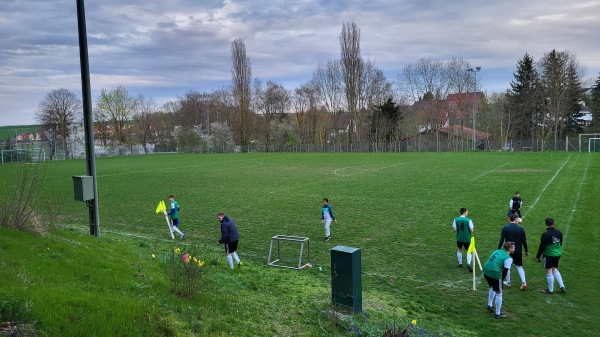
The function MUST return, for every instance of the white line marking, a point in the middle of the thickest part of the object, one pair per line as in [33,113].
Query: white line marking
[547,184]
[490,171]
[365,170]
[576,202]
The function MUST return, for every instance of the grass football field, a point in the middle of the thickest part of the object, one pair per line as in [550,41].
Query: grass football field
[397,208]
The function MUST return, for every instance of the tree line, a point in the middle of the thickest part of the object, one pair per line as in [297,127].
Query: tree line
[347,101]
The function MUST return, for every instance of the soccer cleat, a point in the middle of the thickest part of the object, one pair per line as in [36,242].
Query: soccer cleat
[524,286]
[563,290]
[507,284]
[489,308]
[327,238]
[469,268]
[499,316]
[547,292]
[181,237]
[460,265]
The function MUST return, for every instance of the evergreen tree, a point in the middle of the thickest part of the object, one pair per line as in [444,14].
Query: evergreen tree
[573,101]
[595,105]
[526,99]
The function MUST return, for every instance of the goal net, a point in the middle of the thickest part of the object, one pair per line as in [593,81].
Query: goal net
[594,145]
[585,141]
[14,156]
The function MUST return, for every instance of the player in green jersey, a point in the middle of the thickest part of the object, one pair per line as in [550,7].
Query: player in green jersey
[174,215]
[494,271]
[463,227]
[550,248]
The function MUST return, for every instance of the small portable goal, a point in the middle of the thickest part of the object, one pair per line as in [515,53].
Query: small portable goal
[282,239]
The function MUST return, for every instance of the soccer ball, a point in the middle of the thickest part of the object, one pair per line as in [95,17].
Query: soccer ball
[519,220]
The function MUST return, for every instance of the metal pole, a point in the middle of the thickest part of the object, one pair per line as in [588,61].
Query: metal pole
[474,108]
[474,71]
[88,119]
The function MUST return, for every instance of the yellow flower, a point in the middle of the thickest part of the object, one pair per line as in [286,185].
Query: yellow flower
[177,250]
[195,259]
[414,322]
[153,256]
[200,263]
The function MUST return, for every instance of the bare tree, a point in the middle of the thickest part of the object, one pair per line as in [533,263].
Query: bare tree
[352,69]
[142,120]
[305,100]
[327,80]
[118,105]
[241,74]
[273,103]
[559,73]
[57,112]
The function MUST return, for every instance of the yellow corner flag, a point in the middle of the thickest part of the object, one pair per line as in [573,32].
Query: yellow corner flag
[161,207]
[472,245]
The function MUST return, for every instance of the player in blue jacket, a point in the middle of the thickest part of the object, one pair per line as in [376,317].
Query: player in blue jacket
[326,217]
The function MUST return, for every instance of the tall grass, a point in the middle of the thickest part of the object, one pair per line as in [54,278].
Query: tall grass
[398,208]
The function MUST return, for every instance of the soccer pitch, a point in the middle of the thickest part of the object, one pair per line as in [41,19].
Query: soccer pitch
[397,208]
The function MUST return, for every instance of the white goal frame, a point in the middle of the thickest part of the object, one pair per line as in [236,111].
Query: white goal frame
[589,135]
[590,144]
[4,153]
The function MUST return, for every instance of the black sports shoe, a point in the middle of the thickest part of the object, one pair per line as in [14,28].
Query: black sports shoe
[327,238]
[500,316]
[547,292]
[489,308]
[563,290]
[460,265]
[469,268]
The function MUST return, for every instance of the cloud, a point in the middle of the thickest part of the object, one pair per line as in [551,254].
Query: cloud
[163,49]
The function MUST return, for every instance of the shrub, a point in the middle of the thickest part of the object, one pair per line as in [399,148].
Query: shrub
[185,271]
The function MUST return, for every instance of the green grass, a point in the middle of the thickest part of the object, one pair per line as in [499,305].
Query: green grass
[12,131]
[398,208]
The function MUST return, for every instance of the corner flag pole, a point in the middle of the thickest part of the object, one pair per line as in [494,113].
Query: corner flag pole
[473,251]
[163,208]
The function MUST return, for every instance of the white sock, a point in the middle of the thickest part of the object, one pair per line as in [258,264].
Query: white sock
[507,278]
[558,278]
[469,258]
[521,273]
[550,280]
[498,303]
[459,255]
[176,230]
[236,257]
[491,297]
[230,261]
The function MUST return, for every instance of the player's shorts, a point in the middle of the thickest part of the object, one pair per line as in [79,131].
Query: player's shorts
[550,261]
[175,222]
[517,259]
[231,247]
[463,244]
[494,283]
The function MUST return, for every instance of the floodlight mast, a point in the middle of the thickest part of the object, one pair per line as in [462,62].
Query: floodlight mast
[474,71]
[88,119]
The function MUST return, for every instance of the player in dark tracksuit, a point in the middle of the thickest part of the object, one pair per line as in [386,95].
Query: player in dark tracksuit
[515,204]
[514,233]
[229,237]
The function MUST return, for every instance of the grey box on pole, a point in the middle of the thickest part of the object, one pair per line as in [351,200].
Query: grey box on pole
[346,283]
[83,186]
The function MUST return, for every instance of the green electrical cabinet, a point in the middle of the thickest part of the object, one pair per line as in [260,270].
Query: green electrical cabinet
[346,283]
[83,188]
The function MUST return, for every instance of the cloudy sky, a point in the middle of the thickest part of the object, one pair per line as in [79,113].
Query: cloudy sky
[165,48]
